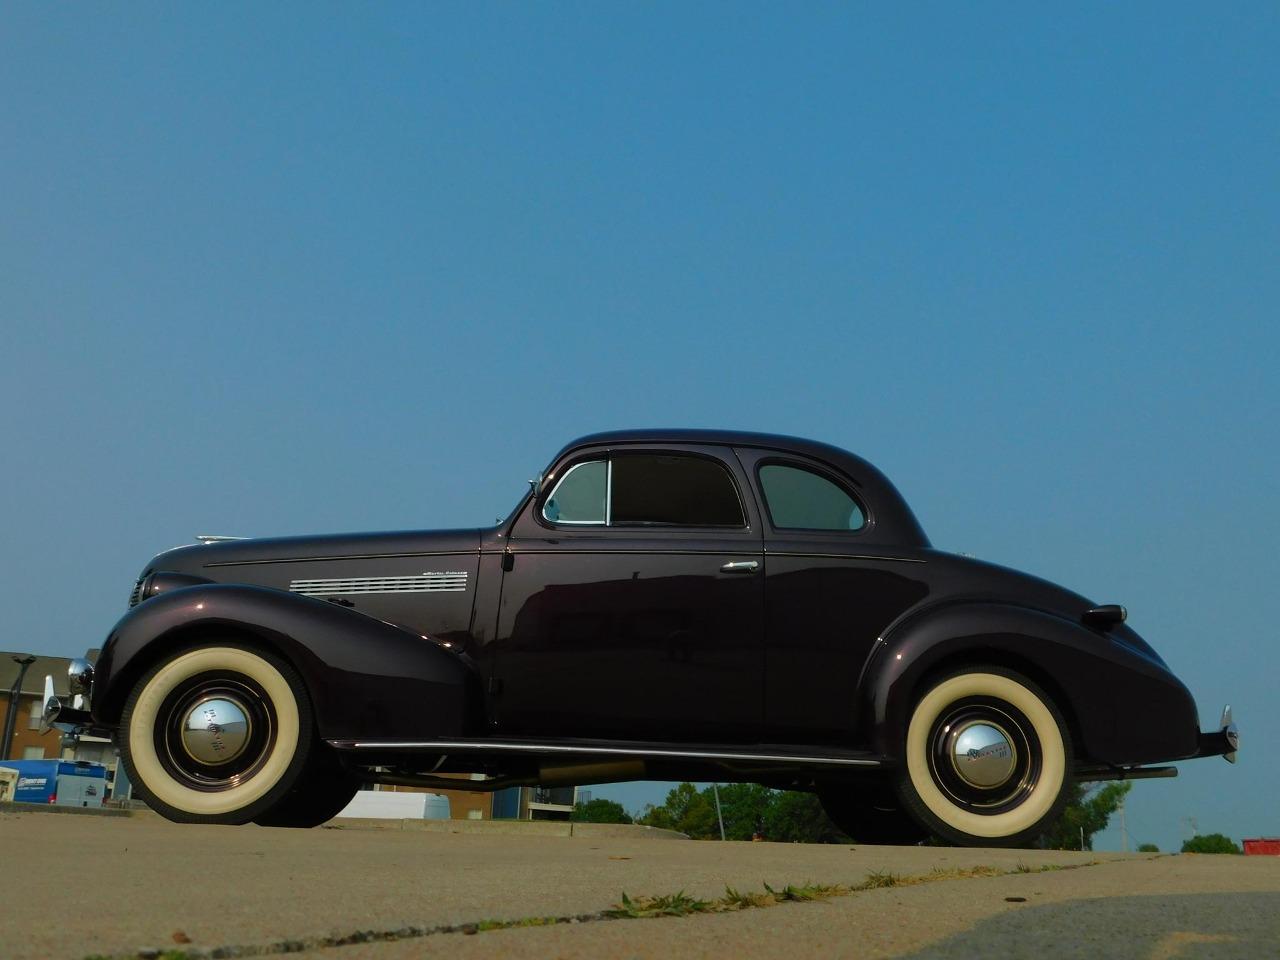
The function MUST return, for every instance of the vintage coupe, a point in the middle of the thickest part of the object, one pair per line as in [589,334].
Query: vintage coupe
[662,604]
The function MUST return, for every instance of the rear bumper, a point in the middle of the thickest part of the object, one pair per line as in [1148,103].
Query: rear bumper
[1224,742]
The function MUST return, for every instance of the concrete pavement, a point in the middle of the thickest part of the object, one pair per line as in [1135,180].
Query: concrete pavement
[142,883]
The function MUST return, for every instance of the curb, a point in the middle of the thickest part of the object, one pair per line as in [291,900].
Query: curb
[507,828]
[496,828]
[10,806]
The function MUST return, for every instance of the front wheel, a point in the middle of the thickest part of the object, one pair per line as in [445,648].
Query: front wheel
[217,734]
[320,794]
[987,759]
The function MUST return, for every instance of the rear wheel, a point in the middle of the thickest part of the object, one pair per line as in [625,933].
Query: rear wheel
[217,734]
[870,815]
[987,759]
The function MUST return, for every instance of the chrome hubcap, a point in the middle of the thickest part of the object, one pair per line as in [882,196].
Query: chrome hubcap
[216,730]
[983,754]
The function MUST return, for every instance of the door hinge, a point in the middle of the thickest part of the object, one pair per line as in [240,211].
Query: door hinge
[508,561]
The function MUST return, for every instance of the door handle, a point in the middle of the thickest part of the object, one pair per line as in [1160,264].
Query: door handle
[740,566]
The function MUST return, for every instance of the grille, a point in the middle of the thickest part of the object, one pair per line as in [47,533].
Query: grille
[136,595]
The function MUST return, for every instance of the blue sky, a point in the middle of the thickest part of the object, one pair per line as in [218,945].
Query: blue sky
[311,268]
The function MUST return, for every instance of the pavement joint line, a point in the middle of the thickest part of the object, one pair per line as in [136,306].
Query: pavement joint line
[640,907]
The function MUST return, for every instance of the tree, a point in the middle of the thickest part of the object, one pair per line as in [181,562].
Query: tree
[1148,848]
[687,811]
[1210,843]
[600,810]
[1088,809]
[747,808]
[790,816]
[796,817]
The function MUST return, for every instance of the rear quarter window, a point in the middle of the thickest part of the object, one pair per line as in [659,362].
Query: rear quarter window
[801,499]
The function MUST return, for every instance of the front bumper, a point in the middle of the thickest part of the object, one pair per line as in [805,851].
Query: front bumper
[72,716]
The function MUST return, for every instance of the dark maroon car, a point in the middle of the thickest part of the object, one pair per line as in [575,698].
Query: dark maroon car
[662,604]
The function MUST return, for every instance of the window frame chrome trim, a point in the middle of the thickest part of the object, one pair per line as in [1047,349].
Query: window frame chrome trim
[821,471]
[608,478]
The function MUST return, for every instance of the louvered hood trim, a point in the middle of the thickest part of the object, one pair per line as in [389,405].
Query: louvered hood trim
[449,581]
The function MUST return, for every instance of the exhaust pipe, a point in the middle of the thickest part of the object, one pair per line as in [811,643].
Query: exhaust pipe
[574,774]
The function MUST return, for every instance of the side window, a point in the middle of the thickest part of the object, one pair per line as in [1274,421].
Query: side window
[647,489]
[581,495]
[673,490]
[800,499]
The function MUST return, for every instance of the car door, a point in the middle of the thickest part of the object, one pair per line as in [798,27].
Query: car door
[632,605]
[830,593]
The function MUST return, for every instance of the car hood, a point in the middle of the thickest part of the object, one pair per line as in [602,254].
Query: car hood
[204,559]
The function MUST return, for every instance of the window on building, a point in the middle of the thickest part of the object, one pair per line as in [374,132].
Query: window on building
[647,490]
[34,715]
[33,753]
[800,499]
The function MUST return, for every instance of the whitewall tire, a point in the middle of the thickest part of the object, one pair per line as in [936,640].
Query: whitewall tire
[216,734]
[987,760]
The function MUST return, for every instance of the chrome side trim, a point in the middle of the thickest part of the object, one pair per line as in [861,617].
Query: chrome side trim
[840,556]
[452,581]
[344,556]
[497,746]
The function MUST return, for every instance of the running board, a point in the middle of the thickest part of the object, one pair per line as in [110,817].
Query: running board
[1095,774]
[608,749]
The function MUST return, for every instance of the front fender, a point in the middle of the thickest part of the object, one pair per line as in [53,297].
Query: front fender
[1124,706]
[366,678]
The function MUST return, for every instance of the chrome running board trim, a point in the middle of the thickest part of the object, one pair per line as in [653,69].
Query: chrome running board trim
[499,746]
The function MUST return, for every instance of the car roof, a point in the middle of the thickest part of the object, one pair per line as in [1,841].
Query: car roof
[894,522]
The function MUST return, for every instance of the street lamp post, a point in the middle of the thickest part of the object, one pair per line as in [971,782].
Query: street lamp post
[23,661]
[715,789]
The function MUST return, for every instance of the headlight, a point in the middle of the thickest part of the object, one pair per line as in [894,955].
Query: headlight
[80,676]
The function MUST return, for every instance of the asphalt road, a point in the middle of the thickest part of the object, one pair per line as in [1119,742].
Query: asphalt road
[80,886]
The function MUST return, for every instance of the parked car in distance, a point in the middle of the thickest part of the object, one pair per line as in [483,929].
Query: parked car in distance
[661,604]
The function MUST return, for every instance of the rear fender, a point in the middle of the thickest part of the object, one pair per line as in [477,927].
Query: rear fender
[1123,705]
[366,678]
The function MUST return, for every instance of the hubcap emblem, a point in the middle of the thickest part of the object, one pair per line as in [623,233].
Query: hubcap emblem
[983,755]
[216,731]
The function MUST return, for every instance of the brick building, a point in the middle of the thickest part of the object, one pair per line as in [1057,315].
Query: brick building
[27,742]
